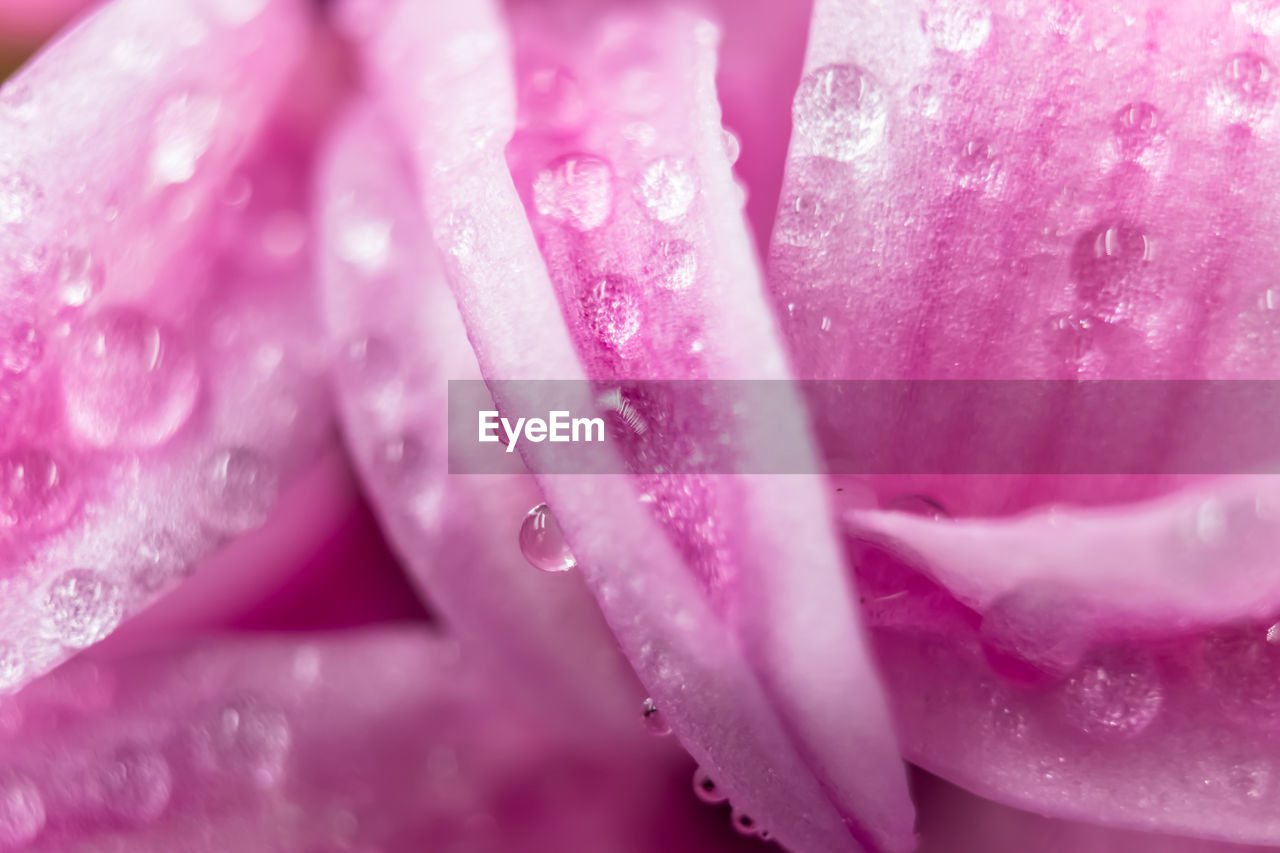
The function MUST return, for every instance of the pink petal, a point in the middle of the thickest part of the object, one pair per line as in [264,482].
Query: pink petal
[33,20]
[160,381]
[380,740]
[394,320]
[681,604]
[1052,195]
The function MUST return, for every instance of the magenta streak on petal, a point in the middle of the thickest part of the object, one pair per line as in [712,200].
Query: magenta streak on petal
[388,740]
[460,110]
[176,389]
[394,324]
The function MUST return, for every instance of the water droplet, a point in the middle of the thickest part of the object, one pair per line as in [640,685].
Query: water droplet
[542,542]
[840,111]
[82,607]
[654,721]
[666,188]
[922,505]
[1242,666]
[1116,692]
[34,491]
[551,100]
[128,380]
[1248,76]
[1135,125]
[135,784]
[18,197]
[22,813]
[576,189]
[246,737]
[184,132]
[240,486]
[364,241]
[957,27]
[744,824]
[1034,635]
[1104,259]
[159,561]
[611,311]
[707,789]
[22,350]
[673,265]
[1250,779]
[732,146]
[78,277]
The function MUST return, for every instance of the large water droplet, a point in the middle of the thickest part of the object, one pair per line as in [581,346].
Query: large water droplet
[707,789]
[1135,124]
[82,607]
[957,26]
[128,380]
[160,560]
[135,784]
[22,812]
[1105,259]
[35,493]
[1248,76]
[673,265]
[184,132]
[78,277]
[542,542]
[1242,667]
[551,100]
[1116,693]
[840,111]
[239,489]
[612,312]
[654,721]
[21,349]
[666,188]
[576,189]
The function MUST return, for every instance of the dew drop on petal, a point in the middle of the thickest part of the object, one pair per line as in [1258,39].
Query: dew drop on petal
[135,784]
[1105,258]
[1033,635]
[78,277]
[673,265]
[706,788]
[611,311]
[1242,669]
[666,188]
[654,721]
[22,812]
[840,111]
[957,26]
[82,607]
[732,146]
[542,542]
[128,380]
[184,133]
[239,488]
[576,189]
[1248,76]
[1116,693]
[22,347]
[35,492]
[1135,124]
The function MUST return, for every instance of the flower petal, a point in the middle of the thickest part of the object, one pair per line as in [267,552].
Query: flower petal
[392,315]
[682,612]
[160,377]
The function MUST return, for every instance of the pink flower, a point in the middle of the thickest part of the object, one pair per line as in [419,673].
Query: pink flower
[245,241]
